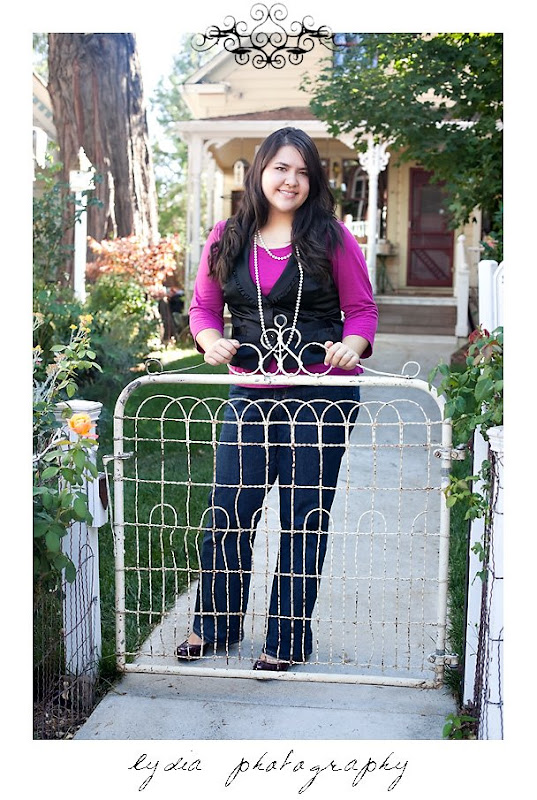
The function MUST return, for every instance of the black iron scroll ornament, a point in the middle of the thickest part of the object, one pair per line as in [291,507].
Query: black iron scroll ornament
[268,43]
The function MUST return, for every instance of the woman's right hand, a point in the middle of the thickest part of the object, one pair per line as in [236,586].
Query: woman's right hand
[221,351]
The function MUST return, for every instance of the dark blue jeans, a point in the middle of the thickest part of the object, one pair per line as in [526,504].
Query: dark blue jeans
[296,435]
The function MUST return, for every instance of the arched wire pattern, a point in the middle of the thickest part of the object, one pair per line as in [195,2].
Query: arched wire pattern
[376,615]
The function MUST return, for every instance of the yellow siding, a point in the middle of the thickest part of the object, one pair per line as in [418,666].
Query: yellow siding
[250,89]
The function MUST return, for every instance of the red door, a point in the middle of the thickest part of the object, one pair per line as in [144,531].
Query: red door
[430,242]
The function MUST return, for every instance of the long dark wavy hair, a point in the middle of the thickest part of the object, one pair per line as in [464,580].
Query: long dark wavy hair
[315,230]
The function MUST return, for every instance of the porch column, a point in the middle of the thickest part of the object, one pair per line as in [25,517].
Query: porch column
[213,181]
[193,222]
[373,161]
[462,288]
[81,181]
[210,173]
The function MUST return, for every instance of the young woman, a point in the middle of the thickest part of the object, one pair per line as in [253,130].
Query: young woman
[297,288]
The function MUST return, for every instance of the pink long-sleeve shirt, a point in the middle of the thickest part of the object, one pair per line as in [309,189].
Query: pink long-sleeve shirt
[349,271]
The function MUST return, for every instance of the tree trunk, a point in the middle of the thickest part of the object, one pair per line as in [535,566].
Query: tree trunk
[96,92]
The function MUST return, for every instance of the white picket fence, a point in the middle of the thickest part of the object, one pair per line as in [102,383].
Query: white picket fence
[81,599]
[483,675]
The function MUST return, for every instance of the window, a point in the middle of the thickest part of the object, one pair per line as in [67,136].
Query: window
[354,185]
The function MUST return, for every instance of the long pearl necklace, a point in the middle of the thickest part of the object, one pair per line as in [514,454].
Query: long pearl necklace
[264,334]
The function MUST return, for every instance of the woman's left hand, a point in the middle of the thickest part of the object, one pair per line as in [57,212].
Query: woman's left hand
[340,355]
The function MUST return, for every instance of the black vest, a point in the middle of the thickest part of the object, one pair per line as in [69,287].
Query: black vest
[319,316]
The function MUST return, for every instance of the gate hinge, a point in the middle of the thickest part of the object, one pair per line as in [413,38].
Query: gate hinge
[446,659]
[458,453]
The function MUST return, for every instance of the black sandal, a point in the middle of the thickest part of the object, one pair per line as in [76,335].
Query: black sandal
[271,666]
[190,651]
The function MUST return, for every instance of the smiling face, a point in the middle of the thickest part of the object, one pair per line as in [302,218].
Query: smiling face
[285,182]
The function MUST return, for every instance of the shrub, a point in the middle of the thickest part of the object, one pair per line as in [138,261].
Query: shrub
[57,311]
[124,323]
[54,213]
[474,395]
[148,265]
[474,401]
[49,226]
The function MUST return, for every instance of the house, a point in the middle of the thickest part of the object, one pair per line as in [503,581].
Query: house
[393,208]
[43,122]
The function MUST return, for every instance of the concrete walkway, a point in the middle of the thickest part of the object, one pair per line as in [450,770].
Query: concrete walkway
[191,707]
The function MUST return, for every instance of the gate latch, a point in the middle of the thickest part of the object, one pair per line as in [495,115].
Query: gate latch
[458,453]
[120,456]
[447,659]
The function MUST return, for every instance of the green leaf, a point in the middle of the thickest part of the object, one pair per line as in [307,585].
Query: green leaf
[60,561]
[69,475]
[41,526]
[50,499]
[71,389]
[70,572]
[483,389]
[59,529]
[49,472]
[449,409]
[52,456]
[66,499]
[79,459]
[92,468]
[80,508]
[53,541]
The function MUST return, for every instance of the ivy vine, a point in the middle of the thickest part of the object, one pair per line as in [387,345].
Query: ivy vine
[474,402]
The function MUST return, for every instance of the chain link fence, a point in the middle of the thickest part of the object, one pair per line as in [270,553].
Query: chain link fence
[64,681]
[488,680]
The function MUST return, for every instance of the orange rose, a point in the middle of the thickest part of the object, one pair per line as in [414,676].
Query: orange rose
[81,423]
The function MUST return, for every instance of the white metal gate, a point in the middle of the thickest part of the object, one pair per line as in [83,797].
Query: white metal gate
[381,610]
